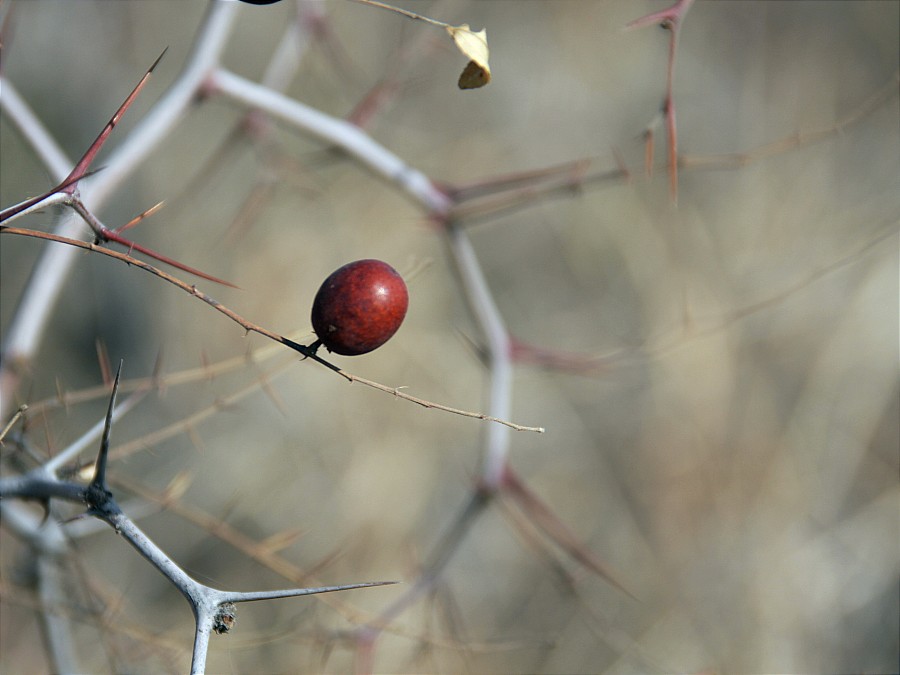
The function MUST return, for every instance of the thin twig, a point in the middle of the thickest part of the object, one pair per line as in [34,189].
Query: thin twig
[403,12]
[106,234]
[252,327]
[12,422]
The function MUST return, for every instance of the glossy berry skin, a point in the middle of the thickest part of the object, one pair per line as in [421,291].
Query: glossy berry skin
[359,307]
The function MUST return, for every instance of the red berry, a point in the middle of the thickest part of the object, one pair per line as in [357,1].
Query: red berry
[359,307]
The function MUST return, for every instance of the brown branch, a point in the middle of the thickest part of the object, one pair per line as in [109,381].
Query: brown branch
[249,326]
[542,517]
[155,381]
[505,194]
[795,140]
[671,19]
[103,233]
[12,422]
[437,406]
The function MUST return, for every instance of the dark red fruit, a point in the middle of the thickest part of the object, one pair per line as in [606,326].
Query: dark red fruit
[359,307]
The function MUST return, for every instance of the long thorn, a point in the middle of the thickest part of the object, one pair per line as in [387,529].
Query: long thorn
[100,471]
[81,167]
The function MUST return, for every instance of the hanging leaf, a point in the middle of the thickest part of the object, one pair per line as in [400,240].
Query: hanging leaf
[477,72]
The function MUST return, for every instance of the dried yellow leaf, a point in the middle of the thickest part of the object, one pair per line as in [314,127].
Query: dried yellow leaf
[474,45]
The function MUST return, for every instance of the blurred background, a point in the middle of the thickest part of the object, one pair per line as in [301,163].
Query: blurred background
[728,442]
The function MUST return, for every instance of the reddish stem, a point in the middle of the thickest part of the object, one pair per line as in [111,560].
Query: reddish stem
[82,166]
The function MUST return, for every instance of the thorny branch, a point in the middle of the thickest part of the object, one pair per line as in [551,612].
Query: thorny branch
[252,327]
[213,608]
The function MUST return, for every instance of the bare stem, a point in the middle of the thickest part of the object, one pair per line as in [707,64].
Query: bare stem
[252,327]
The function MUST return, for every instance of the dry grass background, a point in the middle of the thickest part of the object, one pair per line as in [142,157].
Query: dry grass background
[743,480]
